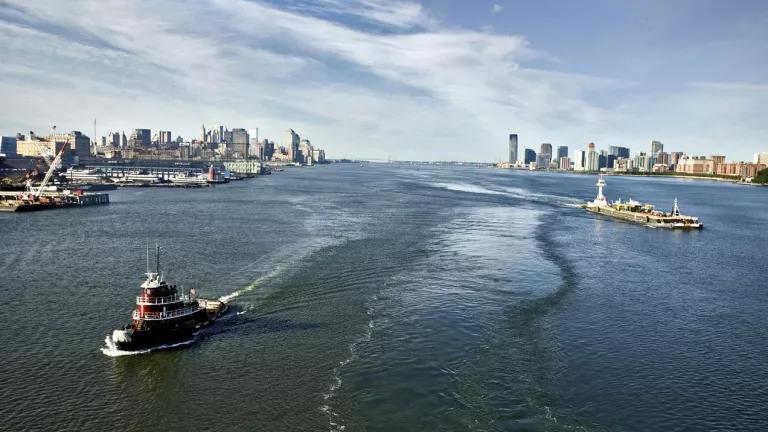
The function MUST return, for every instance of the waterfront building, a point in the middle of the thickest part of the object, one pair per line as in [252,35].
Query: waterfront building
[512,149]
[123,140]
[761,158]
[8,146]
[33,146]
[562,151]
[744,170]
[579,160]
[564,163]
[619,152]
[660,168]
[610,161]
[661,158]
[140,138]
[244,166]
[543,160]
[318,155]
[643,162]
[291,143]
[695,165]
[530,156]
[623,165]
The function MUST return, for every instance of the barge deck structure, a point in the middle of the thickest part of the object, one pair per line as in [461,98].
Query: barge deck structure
[637,212]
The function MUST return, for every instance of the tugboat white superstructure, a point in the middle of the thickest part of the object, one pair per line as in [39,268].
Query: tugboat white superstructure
[637,212]
[163,316]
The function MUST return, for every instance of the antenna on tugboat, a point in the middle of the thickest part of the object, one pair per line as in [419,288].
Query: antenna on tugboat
[147,256]
[157,256]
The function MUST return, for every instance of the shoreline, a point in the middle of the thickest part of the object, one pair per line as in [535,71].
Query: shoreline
[622,174]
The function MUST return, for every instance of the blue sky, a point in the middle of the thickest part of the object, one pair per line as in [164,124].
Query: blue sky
[414,80]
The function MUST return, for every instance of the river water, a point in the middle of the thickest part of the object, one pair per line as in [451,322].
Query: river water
[395,298]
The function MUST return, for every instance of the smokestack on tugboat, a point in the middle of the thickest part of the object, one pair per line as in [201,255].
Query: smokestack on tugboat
[163,317]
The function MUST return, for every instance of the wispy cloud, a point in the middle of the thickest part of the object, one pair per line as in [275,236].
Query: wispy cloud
[419,89]
[496,8]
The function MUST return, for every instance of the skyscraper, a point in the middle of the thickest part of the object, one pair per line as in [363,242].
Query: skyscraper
[240,142]
[545,156]
[656,146]
[546,148]
[291,143]
[579,160]
[592,162]
[530,156]
[512,148]
[562,151]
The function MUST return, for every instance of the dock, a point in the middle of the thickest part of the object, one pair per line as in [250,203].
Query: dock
[12,201]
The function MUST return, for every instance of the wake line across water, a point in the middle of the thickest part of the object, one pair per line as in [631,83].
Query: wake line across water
[513,192]
[335,422]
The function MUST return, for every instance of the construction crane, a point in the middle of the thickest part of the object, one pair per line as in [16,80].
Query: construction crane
[32,194]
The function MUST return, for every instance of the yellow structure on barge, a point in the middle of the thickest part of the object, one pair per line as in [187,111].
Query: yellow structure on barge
[637,212]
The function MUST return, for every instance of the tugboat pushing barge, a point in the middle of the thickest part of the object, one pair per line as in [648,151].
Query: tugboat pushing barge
[637,212]
[163,317]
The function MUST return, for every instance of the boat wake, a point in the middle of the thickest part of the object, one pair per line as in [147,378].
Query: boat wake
[250,287]
[111,350]
[334,418]
[513,192]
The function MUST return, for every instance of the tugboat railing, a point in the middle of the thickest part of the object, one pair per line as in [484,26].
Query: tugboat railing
[165,315]
[160,300]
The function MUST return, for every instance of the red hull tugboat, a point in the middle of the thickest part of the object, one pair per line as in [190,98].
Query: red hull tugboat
[164,317]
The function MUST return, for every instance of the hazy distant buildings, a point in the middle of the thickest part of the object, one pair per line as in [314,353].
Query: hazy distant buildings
[512,148]
[761,158]
[140,138]
[305,150]
[164,138]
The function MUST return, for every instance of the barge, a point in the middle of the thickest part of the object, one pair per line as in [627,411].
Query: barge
[40,198]
[640,213]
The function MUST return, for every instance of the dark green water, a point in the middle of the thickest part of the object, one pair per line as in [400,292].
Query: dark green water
[393,298]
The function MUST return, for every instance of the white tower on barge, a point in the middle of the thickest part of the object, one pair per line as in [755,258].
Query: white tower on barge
[599,200]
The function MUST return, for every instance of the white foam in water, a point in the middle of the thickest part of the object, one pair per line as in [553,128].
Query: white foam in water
[112,351]
[334,421]
[467,187]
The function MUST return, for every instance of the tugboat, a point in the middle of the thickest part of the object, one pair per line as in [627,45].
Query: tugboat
[637,212]
[163,317]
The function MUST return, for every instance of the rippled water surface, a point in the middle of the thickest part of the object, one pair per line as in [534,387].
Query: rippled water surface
[385,298]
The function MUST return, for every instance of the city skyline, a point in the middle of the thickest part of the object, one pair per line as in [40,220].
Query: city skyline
[414,80]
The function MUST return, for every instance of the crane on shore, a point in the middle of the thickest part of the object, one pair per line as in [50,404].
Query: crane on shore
[33,194]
